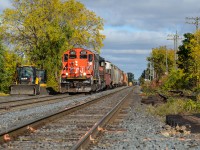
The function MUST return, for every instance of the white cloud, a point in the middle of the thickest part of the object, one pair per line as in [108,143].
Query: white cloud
[4,4]
[129,38]
[121,51]
[134,27]
[153,15]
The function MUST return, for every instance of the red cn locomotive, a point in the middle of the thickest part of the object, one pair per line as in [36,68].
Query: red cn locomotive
[82,71]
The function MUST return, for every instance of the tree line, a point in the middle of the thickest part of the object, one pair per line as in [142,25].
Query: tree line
[37,32]
[171,73]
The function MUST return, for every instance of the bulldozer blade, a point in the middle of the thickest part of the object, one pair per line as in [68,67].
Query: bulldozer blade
[23,89]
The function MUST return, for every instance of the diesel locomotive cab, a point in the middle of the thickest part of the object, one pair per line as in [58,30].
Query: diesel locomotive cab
[80,70]
[71,65]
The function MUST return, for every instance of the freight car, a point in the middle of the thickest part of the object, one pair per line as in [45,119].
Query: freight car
[84,70]
[125,79]
[114,76]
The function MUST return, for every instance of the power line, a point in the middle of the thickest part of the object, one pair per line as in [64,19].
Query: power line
[195,22]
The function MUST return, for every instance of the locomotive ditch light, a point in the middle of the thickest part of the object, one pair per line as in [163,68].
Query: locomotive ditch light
[24,78]
[67,74]
[84,74]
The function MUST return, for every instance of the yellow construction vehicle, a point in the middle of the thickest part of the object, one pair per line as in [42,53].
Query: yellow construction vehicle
[28,80]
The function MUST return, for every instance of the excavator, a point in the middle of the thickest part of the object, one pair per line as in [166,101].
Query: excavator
[28,80]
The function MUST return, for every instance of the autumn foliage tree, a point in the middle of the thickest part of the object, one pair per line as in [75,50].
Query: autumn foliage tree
[44,29]
[162,60]
[195,55]
[188,59]
[1,65]
[8,61]
[185,60]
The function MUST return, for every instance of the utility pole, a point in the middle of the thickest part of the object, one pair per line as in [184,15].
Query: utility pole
[151,71]
[166,62]
[175,38]
[196,21]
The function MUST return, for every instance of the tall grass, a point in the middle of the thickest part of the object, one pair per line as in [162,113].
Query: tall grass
[3,94]
[175,106]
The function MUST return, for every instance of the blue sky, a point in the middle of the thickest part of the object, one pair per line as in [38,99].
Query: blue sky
[134,27]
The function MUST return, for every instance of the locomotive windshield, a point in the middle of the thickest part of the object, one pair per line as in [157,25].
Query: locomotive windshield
[72,55]
[83,55]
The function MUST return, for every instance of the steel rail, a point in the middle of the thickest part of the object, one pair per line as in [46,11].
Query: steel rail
[93,132]
[28,99]
[14,132]
[17,103]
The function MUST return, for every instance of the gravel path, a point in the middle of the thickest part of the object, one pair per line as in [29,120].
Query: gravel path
[142,131]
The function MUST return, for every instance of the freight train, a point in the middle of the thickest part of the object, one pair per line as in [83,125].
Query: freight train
[85,71]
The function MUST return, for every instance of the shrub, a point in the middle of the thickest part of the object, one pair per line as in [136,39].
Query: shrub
[10,60]
[175,106]
[174,80]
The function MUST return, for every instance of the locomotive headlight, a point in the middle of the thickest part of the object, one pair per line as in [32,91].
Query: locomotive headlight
[66,73]
[76,63]
[84,74]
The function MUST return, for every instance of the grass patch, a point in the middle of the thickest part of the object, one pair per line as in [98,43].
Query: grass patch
[175,106]
[3,94]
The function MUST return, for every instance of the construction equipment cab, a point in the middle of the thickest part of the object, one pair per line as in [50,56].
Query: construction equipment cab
[27,81]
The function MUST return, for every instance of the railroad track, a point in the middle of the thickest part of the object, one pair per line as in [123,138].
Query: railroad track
[75,128]
[12,105]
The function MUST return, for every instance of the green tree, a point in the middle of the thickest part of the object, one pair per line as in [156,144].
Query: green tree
[175,80]
[44,29]
[186,76]
[8,62]
[130,77]
[1,64]
[162,60]
[195,55]
[185,60]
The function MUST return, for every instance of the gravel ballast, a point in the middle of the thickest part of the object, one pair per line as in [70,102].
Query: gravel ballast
[142,131]
[16,118]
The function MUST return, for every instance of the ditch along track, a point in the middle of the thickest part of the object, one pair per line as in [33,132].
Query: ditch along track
[71,128]
[191,122]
